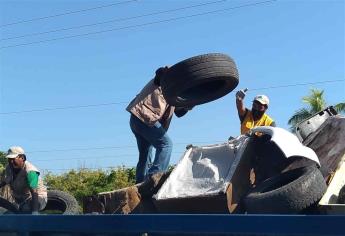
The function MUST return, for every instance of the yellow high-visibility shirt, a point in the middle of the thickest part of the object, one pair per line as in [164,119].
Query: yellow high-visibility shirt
[249,123]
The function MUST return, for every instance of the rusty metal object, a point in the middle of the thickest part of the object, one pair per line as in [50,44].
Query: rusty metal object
[121,201]
[151,185]
[133,199]
[91,204]
[240,183]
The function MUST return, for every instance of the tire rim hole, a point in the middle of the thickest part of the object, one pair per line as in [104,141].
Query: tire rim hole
[199,90]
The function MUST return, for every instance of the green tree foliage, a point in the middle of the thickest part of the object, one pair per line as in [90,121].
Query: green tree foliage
[3,161]
[85,182]
[315,102]
[340,107]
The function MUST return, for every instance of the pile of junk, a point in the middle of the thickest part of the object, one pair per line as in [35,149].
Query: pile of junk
[267,171]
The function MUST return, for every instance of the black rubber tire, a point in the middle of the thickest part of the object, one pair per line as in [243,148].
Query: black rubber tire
[287,193]
[199,80]
[60,202]
[10,207]
[341,197]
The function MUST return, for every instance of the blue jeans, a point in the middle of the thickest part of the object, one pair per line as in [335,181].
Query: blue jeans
[148,137]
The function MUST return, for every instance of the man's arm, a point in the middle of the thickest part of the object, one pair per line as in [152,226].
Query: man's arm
[239,102]
[33,185]
[34,201]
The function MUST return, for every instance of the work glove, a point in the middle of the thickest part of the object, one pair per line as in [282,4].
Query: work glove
[189,146]
[241,93]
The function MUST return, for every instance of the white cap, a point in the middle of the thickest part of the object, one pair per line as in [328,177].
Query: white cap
[263,99]
[14,151]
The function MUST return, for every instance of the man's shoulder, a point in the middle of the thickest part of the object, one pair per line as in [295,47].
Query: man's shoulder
[30,167]
[269,117]
[270,120]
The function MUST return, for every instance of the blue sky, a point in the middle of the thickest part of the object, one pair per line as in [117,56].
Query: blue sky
[274,44]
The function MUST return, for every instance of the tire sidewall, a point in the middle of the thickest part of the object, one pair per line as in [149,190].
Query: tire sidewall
[288,193]
[181,77]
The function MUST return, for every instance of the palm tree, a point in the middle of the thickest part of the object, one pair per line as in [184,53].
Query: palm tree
[316,102]
[340,107]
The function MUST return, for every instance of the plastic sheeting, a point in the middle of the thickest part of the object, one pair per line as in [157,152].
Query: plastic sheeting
[203,170]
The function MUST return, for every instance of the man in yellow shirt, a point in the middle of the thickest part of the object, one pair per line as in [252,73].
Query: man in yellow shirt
[255,117]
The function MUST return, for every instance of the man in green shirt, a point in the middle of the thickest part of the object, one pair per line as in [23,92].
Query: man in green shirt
[25,182]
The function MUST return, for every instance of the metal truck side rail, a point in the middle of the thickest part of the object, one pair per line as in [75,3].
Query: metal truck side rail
[172,224]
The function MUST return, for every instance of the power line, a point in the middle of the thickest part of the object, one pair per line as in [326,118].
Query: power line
[138,25]
[63,108]
[93,157]
[113,147]
[87,168]
[300,84]
[85,158]
[112,21]
[118,103]
[83,149]
[66,13]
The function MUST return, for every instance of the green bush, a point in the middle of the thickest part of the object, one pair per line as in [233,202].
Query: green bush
[3,161]
[85,182]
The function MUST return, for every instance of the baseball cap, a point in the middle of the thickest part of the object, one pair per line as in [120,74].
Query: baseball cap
[14,151]
[263,99]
